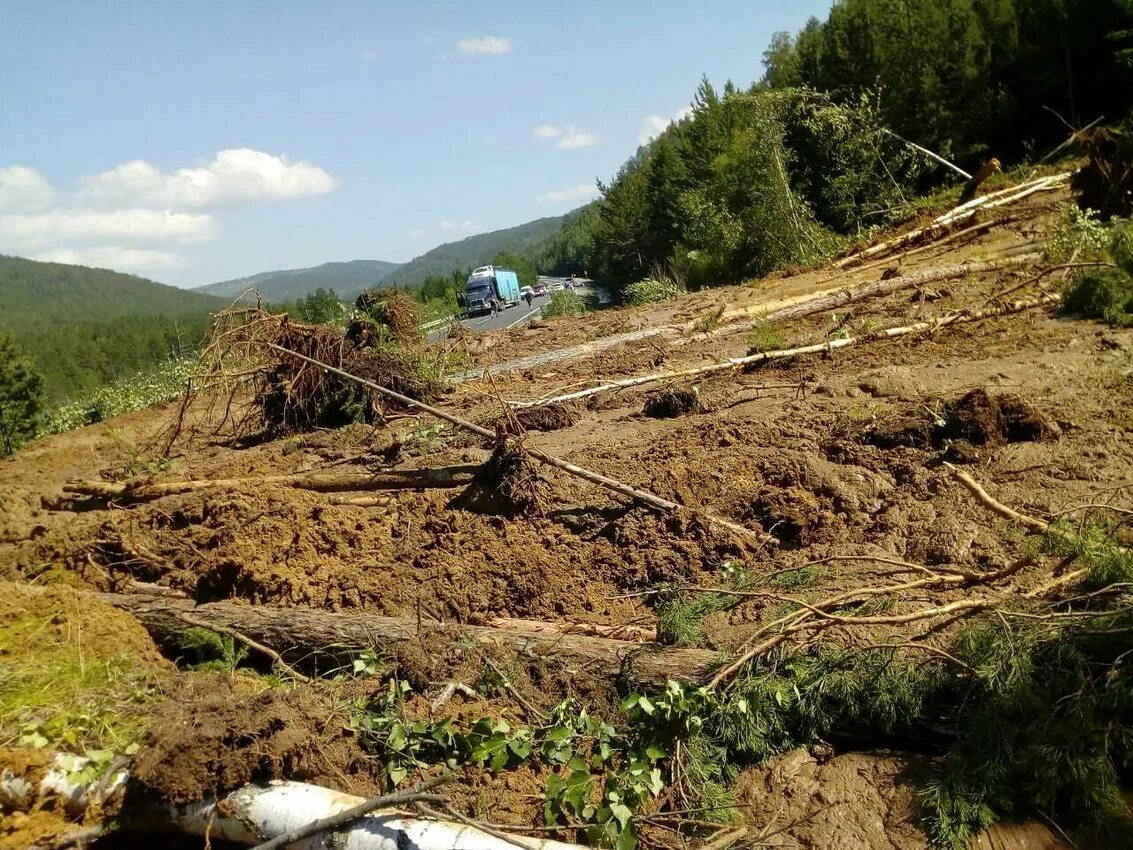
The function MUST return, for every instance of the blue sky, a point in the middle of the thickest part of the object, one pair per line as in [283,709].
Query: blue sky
[194,142]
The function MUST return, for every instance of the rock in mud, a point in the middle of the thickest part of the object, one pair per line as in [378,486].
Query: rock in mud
[548,417]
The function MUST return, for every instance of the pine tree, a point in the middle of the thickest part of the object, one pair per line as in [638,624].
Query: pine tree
[21,395]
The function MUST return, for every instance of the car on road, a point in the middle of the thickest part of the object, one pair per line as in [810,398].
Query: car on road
[526,289]
[540,289]
[557,286]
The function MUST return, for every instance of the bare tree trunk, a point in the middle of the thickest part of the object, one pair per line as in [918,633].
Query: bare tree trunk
[324,640]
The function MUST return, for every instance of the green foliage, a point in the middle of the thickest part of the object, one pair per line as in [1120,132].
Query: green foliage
[565,303]
[56,693]
[135,392]
[1080,233]
[795,579]
[321,307]
[969,77]
[21,395]
[679,617]
[205,649]
[765,337]
[88,327]
[651,289]
[1091,544]
[1102,293]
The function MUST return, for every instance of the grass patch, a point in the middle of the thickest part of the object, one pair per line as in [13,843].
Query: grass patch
[1090,544]
[651,290]
[55,691]
[765,337]
[794,579]
[565,303]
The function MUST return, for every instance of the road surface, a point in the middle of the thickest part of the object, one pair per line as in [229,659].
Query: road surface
[511,317]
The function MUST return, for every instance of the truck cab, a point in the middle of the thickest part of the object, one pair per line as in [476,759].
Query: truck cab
[487,283]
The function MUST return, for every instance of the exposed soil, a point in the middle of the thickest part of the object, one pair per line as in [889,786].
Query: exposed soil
[838,454]
[670,403]
[218,732]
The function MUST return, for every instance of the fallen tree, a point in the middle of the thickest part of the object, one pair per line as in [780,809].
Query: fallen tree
[961,214]
[392,479]
[817,348]
[607,483]
[271,816]
[833,299]
[323,640]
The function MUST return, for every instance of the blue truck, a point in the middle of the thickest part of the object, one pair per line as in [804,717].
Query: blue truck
[487,284]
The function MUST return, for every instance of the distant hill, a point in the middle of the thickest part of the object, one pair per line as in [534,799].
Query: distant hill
[86,326]
[476,250]
[346,279]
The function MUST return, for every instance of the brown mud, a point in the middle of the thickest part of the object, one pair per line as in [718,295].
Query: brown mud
[835,455]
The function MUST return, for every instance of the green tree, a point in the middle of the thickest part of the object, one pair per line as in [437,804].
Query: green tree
[320,307]
[21,395]
[524,267]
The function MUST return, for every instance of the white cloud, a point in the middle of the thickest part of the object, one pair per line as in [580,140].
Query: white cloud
[23,188]
[38,231]
[582,192]
[114,257]
[489,45]
[368,57]
[654,125]
[238,176]
[566,138]
[467,227]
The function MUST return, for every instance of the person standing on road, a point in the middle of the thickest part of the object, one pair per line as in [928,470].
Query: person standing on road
[529,297]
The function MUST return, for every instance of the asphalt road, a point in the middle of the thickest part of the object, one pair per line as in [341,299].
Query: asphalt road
[511,317]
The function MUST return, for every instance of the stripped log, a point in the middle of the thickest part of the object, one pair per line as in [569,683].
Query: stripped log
[393,479]
[637,634]
[817,348]
[833,299]
[959,215]
[323,640]
[257,816]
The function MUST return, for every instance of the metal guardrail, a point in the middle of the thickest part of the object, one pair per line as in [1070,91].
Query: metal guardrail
[436,323]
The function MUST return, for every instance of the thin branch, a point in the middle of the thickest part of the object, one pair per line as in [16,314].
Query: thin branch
[985,499]
[248,642]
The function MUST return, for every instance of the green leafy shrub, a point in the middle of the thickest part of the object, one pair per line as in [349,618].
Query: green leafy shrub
[1079,231]
[565,303]
[136,392]
[1103,293]
[650,290]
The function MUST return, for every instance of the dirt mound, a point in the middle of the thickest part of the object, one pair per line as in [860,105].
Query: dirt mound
[36,619]
[856,801]
[791,514]
[217,733]
[973,419]
[670,403]
[508,484]
[548,417]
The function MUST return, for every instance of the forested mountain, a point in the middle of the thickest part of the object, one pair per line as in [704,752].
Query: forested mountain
[347,279]
[84,326]
[783,172]
[525,239]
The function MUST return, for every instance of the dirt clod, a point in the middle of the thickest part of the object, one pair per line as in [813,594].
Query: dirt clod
[508,484]
[217,733]
[670,403]
[548,417]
